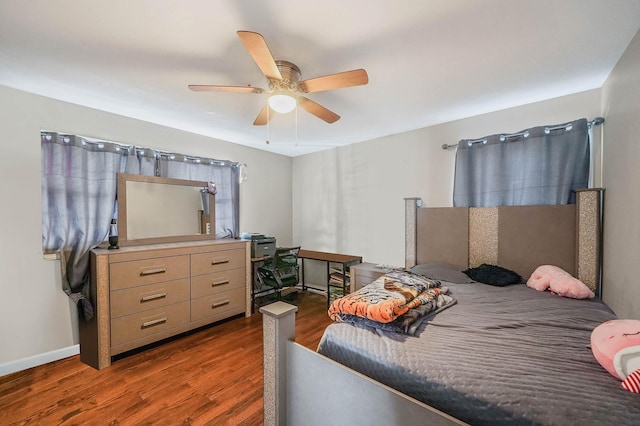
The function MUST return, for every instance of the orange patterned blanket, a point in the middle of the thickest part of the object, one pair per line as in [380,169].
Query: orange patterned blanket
[393,302]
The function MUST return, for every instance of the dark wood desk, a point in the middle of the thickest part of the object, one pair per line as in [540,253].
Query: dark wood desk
[345,260]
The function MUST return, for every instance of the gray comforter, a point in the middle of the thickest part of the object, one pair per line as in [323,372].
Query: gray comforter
[502,355]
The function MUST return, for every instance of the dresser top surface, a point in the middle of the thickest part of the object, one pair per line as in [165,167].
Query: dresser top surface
[187,244]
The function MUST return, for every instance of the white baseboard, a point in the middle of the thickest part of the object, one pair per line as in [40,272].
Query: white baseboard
[316,290]
[36,360]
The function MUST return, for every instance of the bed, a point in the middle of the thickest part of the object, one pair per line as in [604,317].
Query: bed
[501,355]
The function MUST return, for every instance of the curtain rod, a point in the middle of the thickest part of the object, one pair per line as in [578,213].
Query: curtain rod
[128,149]
[595,122]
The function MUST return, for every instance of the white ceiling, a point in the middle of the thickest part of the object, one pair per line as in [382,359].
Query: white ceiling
[428,62]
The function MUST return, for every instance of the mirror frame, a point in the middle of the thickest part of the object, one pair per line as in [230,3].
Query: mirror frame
[123,178]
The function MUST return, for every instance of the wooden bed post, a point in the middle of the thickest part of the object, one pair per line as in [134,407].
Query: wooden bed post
[278,326]
[410,229]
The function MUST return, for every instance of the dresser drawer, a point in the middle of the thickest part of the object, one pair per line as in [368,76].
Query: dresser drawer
[204,285]
[148,271]
[217,261]
[367,277]
[142,298]
[143,324]
[218,306]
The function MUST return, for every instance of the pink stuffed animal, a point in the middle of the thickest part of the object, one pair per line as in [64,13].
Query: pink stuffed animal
[616,346]
[558,281]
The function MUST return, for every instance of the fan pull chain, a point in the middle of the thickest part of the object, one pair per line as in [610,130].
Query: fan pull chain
[296,144]
[267,104]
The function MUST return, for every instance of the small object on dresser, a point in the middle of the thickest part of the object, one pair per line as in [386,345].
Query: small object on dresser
[113,235]
[211,188]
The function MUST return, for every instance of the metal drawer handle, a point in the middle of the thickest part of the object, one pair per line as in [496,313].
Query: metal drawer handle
[153,297]
[221,282]
[221,303]
[153,271]
[220,261]
[154,322]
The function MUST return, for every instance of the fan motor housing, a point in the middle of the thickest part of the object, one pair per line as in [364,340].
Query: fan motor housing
[288,71]
[290,76]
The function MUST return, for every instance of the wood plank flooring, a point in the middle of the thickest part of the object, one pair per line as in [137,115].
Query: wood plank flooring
[209,377]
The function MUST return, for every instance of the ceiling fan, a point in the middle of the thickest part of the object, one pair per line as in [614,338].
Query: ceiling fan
[285,89]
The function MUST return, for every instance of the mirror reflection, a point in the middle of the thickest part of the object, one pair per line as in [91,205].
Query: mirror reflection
[153,209]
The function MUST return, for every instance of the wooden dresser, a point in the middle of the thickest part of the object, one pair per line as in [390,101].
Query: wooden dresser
[143,294]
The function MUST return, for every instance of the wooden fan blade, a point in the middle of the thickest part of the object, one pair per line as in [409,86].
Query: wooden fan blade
[262,117]
[233,89]
[318,110]
[335,81]
[260,53]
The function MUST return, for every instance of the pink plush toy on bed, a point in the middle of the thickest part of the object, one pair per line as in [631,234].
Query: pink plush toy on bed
[558,281]
[616,346]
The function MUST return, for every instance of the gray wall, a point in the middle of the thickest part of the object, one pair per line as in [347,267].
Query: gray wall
[621,160]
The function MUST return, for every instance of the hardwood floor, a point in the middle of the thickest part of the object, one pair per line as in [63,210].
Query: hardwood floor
[209,377]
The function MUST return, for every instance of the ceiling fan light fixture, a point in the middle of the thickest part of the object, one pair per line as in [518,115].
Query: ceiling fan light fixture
[285,88]
[282,103]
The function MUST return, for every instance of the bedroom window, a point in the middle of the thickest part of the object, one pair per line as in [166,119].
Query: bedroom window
[542,165]
[79,197]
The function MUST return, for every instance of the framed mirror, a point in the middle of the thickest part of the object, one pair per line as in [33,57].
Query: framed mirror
[163,210]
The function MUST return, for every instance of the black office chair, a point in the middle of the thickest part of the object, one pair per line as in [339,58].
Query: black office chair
[281,270]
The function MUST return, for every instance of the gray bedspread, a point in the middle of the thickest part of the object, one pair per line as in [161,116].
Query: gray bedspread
[502,355]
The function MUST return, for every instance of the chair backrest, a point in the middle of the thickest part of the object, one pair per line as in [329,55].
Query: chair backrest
[281,269]
[285,259]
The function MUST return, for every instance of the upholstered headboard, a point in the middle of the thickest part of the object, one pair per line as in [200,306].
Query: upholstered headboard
[519,238]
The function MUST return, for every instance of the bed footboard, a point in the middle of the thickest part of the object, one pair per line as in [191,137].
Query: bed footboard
[302,387]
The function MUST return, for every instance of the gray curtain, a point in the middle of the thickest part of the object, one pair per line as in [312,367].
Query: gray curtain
[142,161]
[542,165]
[78,202]
[226,176]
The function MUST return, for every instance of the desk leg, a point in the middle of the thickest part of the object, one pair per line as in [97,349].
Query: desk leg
[302,275]
[328,284]
[344,279]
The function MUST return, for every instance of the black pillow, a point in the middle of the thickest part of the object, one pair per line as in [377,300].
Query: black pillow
[493,275]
